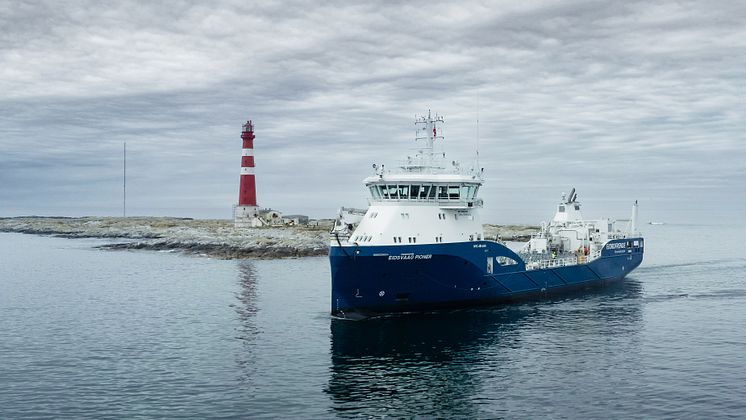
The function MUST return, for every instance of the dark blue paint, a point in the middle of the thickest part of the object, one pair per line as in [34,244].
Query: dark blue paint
[398,278]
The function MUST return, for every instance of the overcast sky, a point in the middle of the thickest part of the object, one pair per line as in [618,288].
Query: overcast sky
[622,100]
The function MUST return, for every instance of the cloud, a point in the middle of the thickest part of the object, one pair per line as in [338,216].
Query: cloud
[622,99]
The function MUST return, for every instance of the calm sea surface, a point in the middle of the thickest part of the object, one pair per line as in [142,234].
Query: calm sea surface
[98,334]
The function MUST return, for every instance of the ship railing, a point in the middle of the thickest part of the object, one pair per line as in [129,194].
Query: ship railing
[543,263]
[339,237]
[341,231]
[551,263]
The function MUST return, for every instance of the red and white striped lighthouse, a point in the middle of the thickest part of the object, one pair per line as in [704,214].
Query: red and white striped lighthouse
[246,213]
[247,191]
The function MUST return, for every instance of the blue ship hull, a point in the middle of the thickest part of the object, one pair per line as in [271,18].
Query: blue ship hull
[370,280]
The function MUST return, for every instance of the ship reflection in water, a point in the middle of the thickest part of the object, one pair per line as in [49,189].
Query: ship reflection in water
[467,363]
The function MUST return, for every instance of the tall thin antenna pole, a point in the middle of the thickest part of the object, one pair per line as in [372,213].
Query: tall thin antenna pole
[477,130]
[124,183]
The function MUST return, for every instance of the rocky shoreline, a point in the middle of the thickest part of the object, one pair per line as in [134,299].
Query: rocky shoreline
[213,238]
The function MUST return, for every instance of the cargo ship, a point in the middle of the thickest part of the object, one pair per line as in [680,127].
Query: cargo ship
[420,244]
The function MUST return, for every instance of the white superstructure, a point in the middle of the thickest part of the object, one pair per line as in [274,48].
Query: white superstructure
[569,236]
[427,199]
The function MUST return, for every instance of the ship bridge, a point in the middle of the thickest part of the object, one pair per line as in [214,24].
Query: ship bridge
[427,178]
[426,199]
[444,190]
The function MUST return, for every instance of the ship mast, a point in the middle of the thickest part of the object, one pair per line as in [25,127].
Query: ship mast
[428,132]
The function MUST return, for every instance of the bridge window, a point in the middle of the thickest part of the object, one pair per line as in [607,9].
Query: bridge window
[453,192]
[424,191]
[393,192]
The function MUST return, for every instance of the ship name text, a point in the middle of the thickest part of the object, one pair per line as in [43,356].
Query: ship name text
[410,257]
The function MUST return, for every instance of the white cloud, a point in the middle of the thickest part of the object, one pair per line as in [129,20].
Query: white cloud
[575,92]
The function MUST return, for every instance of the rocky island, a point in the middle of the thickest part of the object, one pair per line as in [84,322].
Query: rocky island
[215,238]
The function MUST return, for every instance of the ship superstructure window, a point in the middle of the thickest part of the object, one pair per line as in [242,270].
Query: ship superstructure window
[373,214]
[468,192]
[561,209]
[393,192]
[424,192]
[506,261]
[403,191]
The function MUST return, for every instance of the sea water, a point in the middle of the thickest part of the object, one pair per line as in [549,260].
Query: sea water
[86,333]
